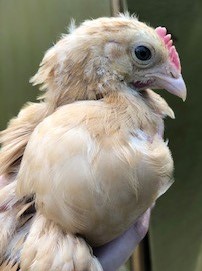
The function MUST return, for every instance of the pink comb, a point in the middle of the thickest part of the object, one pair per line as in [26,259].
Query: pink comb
[173,55]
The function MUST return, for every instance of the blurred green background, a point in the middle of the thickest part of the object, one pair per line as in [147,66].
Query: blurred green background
[29,27]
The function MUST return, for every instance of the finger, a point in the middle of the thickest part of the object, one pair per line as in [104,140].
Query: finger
[116,253]
[142,225]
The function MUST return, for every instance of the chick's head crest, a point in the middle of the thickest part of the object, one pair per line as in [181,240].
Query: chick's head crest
[104,54]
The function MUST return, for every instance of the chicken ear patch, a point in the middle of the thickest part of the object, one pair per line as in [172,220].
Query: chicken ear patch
[173,55]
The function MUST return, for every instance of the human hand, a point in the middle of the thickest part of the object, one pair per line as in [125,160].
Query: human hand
[114,254]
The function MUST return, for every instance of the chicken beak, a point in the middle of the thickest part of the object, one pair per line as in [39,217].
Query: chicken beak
[172,84]
[170,79]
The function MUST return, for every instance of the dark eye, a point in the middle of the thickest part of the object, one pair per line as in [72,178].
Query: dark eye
[142,53]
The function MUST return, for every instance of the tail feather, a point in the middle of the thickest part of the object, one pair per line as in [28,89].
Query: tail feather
[11,259]
[15,138]
[41,245]
[14,217]
[9,266]
[8,220]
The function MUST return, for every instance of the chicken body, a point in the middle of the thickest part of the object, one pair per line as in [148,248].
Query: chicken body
[93,159]
[96,171]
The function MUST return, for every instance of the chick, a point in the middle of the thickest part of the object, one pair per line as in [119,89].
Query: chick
[93,159]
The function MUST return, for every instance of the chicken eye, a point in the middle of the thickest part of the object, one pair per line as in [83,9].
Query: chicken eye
[142,53]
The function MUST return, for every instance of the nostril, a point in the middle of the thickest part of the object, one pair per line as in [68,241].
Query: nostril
[172,75]
[175,75]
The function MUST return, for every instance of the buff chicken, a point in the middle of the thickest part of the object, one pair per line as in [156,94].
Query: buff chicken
[87,160]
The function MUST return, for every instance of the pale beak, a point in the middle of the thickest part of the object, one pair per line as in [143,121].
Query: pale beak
[171,81]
